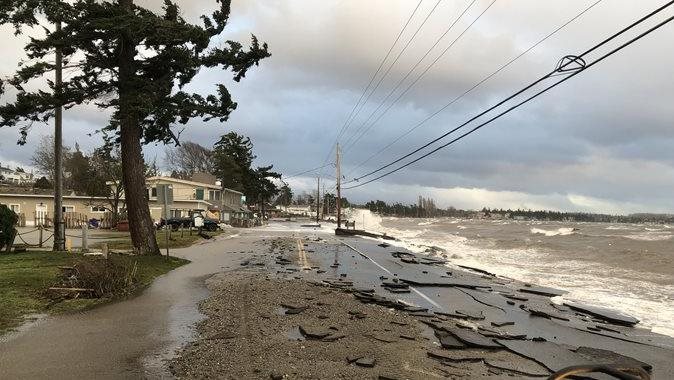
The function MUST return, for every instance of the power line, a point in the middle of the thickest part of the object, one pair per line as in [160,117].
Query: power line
[361,131]
[518,92]
[479,83]
[575,60]
[400,53]
[309,171]
[381,64]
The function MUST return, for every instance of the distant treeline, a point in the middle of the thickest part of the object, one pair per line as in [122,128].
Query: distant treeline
[426,209]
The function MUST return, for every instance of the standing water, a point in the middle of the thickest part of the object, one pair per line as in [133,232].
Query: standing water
[628,267]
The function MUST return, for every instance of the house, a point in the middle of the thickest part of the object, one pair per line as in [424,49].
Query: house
[15,177]
[220,203]
[36,207]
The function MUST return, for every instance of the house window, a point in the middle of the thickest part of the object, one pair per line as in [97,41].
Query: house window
[98,209]
[153,192]
[214,195]
[199,194]
[68,208]
[16,208]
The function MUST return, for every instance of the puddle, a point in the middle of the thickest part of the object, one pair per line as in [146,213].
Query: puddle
[295,334]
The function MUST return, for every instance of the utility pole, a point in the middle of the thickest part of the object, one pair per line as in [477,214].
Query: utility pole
[59,241]
[339,188]
[318,199]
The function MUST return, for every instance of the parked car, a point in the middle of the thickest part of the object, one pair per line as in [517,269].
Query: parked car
[188,222]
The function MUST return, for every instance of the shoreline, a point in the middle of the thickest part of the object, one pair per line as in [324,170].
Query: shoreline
[493,308]
[579,262]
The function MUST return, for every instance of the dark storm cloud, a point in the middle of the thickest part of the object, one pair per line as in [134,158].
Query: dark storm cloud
[601,141]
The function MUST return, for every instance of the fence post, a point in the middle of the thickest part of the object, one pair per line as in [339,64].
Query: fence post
[39,228]
[85,235]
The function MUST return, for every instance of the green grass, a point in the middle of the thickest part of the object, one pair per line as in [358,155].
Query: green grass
[176,240]
[24,277]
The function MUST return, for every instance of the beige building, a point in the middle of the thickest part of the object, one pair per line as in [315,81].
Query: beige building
[38,209]
[218,203]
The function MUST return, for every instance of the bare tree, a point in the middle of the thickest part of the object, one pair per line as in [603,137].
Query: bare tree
[43,157]
[188,158]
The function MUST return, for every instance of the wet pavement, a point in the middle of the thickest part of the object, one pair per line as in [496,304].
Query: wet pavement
[469,308]
[129,339]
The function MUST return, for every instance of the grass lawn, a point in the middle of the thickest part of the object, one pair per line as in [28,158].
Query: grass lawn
[176,240]
[24,277]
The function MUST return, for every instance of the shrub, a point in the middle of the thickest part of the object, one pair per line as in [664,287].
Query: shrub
[112,277]
[8,220]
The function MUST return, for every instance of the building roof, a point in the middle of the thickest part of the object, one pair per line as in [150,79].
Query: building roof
[192,183]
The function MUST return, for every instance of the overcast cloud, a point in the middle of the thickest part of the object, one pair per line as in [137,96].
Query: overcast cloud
[600,142]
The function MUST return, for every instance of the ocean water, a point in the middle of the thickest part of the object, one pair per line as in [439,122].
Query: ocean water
[626,267]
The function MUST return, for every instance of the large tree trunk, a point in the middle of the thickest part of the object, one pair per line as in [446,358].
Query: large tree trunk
[133,165]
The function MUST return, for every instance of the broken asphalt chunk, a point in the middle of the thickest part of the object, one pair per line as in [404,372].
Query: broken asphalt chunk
[365,362]
[615,359]
[472,338]
[604,314]
[542,290]
[478,270]
[551,355]
[523,367]
[313,333]
[292,309]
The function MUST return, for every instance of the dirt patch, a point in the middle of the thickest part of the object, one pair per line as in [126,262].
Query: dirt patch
[259,327]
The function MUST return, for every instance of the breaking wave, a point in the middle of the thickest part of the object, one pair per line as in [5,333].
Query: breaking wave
[564,231]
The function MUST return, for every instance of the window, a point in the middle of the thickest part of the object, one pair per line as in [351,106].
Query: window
[214,195]
[16,208]
[199,194]
[98,209]
[68,208]
[153,192]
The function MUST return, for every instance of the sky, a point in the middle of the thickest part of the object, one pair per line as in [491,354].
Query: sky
[600,142]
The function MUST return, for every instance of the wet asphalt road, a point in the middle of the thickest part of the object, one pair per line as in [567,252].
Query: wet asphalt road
[363,262]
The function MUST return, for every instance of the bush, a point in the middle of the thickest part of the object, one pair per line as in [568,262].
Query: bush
[8,220]
[112,277]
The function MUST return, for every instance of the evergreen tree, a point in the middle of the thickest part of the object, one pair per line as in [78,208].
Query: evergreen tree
[132,60]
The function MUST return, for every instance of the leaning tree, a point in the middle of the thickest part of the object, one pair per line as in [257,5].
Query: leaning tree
[131,60]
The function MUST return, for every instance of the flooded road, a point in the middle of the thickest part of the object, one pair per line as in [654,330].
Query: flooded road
[128,339]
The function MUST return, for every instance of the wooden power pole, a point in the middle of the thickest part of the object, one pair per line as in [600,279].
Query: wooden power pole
[59,241]
[318,199]
[339,188]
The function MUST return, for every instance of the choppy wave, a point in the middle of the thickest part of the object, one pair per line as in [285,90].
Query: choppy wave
[564,231]
[618,228]
[650,236]
[629,291]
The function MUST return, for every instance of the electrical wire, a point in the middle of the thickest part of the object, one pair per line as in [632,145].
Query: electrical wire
[573,72]
[361,131]
[476,85]
[381,64]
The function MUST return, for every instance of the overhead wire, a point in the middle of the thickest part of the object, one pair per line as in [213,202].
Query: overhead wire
[381,64]
[362,130]
[476,85]
[560,67]
[309,171]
